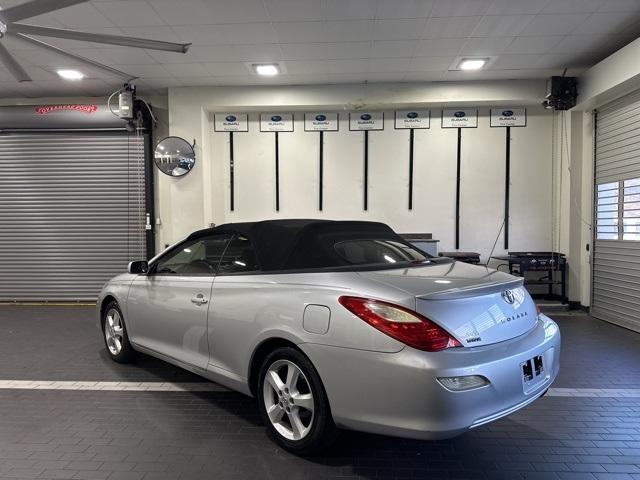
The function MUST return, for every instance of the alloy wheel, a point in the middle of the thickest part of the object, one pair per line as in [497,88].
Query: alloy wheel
[288,400]
[113,331]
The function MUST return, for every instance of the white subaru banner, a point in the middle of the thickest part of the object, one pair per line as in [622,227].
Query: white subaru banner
[366,121]
[320,121]
[459,118]
[508,117]
[412,118]
[276,122]
[230,122]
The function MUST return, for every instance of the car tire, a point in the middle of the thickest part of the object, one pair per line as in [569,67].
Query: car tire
[115,335]
[297,415]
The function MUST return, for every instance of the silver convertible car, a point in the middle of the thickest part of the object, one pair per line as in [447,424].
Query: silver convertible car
[336,324]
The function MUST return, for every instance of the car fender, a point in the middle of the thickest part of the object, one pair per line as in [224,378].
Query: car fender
[285,333]
[118,289]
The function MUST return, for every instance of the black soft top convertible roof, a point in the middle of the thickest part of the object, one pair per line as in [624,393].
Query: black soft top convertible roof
[299,243]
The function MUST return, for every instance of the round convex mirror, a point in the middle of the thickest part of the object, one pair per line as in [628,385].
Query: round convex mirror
[174,156]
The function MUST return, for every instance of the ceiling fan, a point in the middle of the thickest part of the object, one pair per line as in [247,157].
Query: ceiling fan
[9,27]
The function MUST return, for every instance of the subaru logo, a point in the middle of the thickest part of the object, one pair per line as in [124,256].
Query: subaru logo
[508,296]
[276,118]
[321,118]
[459,114]
[230,118]
[365,116]
[507,113]
[412,115]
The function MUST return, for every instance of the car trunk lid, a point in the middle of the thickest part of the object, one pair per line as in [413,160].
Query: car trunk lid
[477,305]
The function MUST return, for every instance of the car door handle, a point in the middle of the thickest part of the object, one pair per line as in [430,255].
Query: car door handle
[199,299]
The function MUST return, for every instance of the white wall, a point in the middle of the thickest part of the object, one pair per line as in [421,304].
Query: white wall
[482,179]
[202,197]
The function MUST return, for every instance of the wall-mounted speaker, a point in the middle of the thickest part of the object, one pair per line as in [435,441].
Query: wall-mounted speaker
[562,93]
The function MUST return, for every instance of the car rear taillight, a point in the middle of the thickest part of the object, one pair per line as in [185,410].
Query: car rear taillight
[400,323]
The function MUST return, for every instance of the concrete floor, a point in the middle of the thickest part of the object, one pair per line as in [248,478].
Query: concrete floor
[591,433]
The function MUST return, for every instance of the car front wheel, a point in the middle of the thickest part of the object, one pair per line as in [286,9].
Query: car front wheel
[115,334]
[294,404]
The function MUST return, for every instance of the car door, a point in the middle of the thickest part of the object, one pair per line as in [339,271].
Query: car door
[236,304]
[168,307]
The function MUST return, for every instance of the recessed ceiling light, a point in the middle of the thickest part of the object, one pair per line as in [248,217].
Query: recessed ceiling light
[472,63]
[267,69]
[71,74]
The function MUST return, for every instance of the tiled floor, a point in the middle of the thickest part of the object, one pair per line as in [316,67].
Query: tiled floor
[91,432]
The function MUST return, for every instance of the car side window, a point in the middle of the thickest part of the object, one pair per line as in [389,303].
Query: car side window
[195,257]
[240,256]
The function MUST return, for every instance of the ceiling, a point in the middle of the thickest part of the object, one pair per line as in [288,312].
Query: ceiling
[326,41]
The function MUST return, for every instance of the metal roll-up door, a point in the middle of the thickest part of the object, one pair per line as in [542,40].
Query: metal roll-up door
[72,213]
[616,256]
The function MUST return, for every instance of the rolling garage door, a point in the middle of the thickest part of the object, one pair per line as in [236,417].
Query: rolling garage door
[72,213]
[616,256]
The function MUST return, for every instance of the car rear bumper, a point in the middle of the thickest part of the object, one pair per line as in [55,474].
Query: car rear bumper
[399,394]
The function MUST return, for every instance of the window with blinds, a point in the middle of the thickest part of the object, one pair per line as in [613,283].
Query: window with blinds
[607,220]
[631,210]
[618,210]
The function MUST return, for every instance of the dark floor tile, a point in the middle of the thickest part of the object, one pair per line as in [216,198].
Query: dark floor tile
[586,467]
[621,468]
[613,476]
[191,436]
[576,476]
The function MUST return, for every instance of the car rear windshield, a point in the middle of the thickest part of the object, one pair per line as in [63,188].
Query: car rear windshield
[378,251]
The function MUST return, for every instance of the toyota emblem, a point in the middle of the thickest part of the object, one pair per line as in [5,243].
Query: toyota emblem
[508,297]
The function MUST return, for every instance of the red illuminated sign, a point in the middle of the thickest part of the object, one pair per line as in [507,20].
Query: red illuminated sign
[45,109]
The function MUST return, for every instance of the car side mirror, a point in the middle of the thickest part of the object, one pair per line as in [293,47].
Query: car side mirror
[139,267]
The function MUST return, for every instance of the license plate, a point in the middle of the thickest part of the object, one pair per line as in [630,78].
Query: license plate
[536,372]
[532,369]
